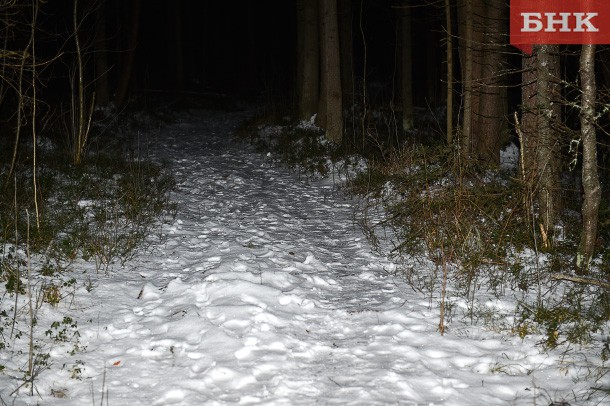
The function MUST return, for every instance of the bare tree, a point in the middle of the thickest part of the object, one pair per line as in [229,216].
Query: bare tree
[81,108]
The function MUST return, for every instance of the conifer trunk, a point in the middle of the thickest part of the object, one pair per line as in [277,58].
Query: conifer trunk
[449,55]
[547,146]
[309,72]
[590,177]
[466,139]
[331,109]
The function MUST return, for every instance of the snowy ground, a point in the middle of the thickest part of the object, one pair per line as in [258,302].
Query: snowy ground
[265,292]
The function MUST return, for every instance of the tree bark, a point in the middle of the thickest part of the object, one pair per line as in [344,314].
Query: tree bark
[467,70]
[482,39]
[528,116]
[547,146]
[308,40]
[449,55]
[491,123]
[346,47]
[331,97]
[540,147]
[300,58]
[590,177]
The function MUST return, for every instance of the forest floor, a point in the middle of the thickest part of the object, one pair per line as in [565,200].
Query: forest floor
[263,290]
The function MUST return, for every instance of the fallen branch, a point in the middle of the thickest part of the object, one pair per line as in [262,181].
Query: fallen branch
[580,279]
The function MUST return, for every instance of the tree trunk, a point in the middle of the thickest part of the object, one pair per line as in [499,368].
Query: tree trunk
[547,146]
[300,58]
[491,124]
[331,97]
[100,55]
[407,66]
[540,147]
[309,77]
[482,39]
[466,48]
[590,178]
[127,68]
[529,126]
[449,54]
[346,47]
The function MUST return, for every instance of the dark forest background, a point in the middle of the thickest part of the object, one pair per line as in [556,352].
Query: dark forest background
[243,48]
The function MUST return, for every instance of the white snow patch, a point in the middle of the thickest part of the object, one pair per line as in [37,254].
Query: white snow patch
[265,293]
[509,157]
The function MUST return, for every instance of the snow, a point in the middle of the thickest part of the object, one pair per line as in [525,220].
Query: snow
[309,124]
[509,157]
[264,291]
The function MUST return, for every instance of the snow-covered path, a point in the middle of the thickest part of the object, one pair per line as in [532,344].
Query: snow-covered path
[265,292]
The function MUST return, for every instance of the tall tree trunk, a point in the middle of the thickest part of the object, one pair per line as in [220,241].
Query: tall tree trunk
[80,129]
[331,97]
[491,124]
[300,58]
[407,66]
[346,47]
[547,146]
[449,55]
[127,68]
[540,146]
[309,72]
[590,178]
[528,130]
[482,39]
[467,70]
[101,55]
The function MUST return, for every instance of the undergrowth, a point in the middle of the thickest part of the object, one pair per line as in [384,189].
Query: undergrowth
[91,217]
[301,147]
[464,238]
[477,226]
